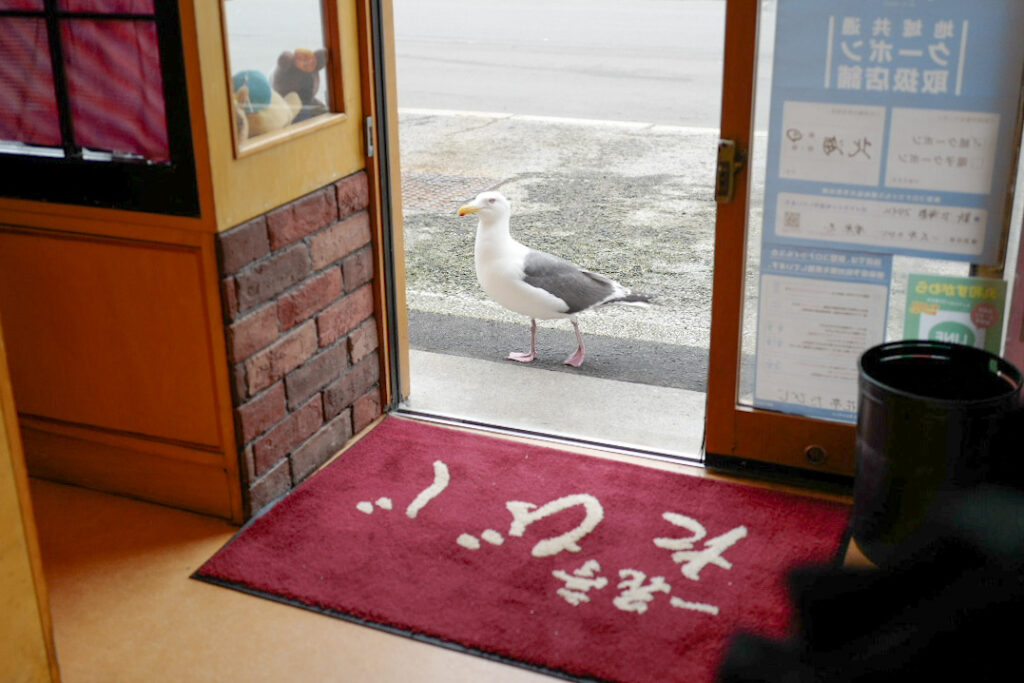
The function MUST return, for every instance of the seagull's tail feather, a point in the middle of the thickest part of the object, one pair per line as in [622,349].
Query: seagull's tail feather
[631,298]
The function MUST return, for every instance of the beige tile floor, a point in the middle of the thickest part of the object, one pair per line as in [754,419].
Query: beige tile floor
[125,610]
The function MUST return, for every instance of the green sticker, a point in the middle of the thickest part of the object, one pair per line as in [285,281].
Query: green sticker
[953,333]
[955,310]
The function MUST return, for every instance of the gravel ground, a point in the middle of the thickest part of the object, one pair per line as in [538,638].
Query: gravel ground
[632,201]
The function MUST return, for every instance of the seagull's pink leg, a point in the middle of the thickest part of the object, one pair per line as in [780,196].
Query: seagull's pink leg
[576,359]
[527,357]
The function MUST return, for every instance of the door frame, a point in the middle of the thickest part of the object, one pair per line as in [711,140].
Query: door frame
[380,107]
[739,436]
[736,436]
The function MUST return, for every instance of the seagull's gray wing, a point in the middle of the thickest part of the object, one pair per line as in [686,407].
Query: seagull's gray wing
[579,289]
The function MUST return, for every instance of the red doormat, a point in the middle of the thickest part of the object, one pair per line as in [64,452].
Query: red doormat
[579,566]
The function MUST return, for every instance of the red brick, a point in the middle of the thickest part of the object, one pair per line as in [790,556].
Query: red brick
[357,381]
[248,467]
[270,448]
[353,194]
[285,435]
[362,341]
[340,240]
[365,410]
[248,335]
[315,374]
[344,315]
[309,417]
[259,414]
[265,280]
[280,358]
[229,299]
[239,392]
[358,268]
[270,487]
[321,447]
[241,245]
[302,302]
[304,216]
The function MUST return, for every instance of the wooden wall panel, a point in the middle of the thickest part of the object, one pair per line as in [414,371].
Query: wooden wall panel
[130,466]
[109,333]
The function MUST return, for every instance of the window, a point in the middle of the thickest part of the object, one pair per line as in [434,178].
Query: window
[279,68]
[93,105]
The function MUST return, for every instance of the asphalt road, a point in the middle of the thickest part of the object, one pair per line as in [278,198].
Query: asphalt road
[627,360]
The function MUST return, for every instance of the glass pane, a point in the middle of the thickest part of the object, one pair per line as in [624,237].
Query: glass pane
[277,57]
[598,121]
[882,164]
[28,107]
[108,6]
[115,87]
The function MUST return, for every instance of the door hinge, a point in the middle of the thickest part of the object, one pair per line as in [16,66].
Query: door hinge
[731,160]
[368,135]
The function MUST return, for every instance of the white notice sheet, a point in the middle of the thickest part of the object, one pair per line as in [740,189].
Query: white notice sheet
[819,310]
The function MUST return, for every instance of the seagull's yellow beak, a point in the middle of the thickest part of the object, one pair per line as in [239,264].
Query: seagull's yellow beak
[468,209]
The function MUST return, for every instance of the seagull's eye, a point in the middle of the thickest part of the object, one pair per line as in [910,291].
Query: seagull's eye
[491,200]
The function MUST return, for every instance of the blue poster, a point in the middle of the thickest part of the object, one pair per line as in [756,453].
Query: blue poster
[893,125]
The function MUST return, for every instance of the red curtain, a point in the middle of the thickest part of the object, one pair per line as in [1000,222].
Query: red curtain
[113,74]
[115,86]
[22,4]
[105,6]
[28,106]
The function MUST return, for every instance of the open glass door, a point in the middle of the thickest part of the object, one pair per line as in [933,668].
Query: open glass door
[599,124]
[865,198]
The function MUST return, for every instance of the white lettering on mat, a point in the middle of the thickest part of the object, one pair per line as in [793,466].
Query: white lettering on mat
[636,591]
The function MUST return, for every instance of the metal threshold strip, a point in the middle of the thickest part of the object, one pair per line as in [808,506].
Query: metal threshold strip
[559,439]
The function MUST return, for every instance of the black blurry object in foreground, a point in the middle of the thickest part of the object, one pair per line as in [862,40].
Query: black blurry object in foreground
[947,610]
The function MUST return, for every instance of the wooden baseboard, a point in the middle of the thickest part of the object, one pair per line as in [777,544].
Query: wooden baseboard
[131,466]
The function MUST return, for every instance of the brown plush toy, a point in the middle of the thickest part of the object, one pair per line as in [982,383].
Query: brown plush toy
[299,72]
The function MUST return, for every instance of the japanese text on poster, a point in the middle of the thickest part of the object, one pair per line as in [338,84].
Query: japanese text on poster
[818,311]
[901,116]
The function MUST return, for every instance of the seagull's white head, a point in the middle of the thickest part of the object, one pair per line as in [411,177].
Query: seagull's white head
[491,206]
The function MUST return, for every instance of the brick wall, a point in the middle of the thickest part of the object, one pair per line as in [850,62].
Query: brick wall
[297,287]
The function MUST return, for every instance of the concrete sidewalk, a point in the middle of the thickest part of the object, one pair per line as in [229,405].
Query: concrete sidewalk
[505,394]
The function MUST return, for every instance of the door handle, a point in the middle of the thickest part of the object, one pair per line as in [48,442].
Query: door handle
[731,160]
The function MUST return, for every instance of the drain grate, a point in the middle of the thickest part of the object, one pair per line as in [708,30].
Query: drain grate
[441,192]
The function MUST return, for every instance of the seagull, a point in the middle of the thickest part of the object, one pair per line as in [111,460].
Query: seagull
[534,283]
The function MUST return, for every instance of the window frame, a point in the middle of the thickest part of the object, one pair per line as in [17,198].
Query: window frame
[331,74]
[165,187]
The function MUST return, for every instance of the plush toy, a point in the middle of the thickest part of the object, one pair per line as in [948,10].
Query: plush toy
[265,109]
[299,72]
[239,101]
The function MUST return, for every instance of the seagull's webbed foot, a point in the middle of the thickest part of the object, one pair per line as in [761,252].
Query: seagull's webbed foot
[576,359]
[526,357]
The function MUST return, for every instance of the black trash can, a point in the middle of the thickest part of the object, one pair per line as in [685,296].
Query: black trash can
[932,419]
